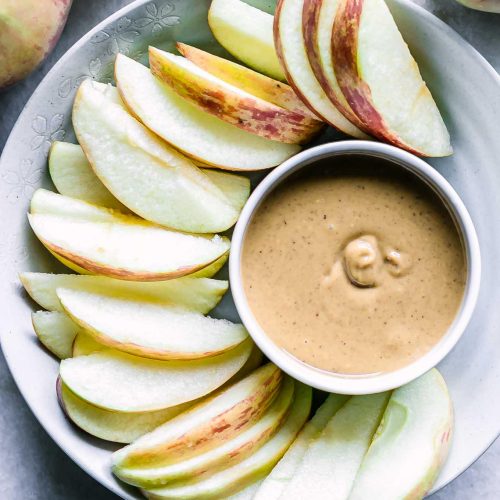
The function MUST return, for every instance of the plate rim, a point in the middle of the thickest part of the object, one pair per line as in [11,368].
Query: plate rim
[429,17]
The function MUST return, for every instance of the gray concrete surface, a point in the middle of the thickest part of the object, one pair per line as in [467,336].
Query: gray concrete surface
[31,465]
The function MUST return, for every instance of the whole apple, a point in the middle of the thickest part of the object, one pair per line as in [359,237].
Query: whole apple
[484,5]
[29,29]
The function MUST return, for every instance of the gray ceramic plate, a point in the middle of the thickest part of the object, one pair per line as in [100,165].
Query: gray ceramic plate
[468,92]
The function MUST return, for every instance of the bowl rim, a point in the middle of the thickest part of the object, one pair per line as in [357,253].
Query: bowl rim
[369,383]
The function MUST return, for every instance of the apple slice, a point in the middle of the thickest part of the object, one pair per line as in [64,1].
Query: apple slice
[247,79]
[149,177]
[419,418]
[482,5]
[156,331]
[50,203]
[206,425]
[382,82]
[56,332]
[73,176]
[247,493]
[318,17]
[333,458]
[196,294]
[275,483]
[124,250]
[292,51]
[192,131]
[110,425]
[221,457]
[247,33]
[230,103]
[119,381]
[251,469]
[84,345]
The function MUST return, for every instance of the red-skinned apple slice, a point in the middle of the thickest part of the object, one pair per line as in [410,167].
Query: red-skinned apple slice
[292,52]
[233,479]
[228,102]
[119,381]
[206,425]
[318,17]
[246,79]
[221,457]
[382,82]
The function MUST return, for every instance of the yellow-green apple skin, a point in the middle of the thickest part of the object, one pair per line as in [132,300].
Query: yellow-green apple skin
[484,5]
[29,30]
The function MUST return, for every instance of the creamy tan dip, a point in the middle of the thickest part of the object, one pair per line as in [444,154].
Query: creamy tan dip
[354,272]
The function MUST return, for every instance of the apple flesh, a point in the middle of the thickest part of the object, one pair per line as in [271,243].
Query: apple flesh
[246,79]
[29,30]
[206,425]
[221,457]
[56,332]
[197,134]
[247,33]
[253,468]
[228,102]
[292,52]
[274,484]
[334,457]
[418,418]
[145,174]
[484,5]
[381,80]
[318,17]
[195,294]
[73,176]
[122,382]
[110,425]
[84,345]
[155,331]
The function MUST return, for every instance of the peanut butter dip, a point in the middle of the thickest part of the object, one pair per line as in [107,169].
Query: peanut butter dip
[354,271]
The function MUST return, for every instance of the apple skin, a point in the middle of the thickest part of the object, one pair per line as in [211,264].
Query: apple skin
[247,79]
[483,5]
[310,19]
[245,111]
[29,30]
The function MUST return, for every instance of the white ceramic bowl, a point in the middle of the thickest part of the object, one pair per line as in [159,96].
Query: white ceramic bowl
[370,383]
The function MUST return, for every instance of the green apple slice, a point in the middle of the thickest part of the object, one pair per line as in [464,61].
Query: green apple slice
[111,425]
[156,331]
[247,33]
[333,458]
[84,345]
[125,250]
[275,483]
[411,444]
[195,294]
[221,457]
[73,176]
[149,177]
[119,381]
[381,80]
[56,332]
[253,468]
[229,102]
[198,134]
[207,425]
[292,51]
